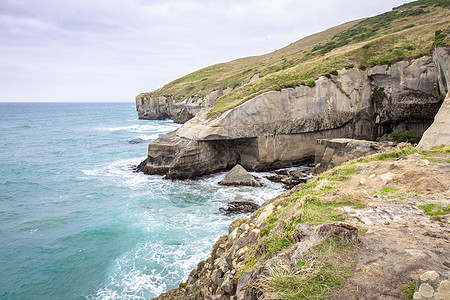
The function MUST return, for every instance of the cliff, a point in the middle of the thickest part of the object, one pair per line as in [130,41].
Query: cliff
[360,80]
[280,128]
[406,32]
[364,230]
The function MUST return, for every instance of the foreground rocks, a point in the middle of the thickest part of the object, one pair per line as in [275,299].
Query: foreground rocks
[239,207]
[432,285]
[239,176]
[399,240]
[330,153]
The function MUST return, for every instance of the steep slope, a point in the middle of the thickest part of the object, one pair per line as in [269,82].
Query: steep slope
[296,246]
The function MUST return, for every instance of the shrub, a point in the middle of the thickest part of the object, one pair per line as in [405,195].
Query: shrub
[311,83]
[334,72]
[350,66]
[327,75]
[439,37]
[362,67]
[409,136]
[378,95]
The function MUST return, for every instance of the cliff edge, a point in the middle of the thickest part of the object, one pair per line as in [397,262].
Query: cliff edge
[364,230]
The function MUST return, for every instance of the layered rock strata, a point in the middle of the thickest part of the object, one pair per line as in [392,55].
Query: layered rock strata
[439,131]
[157,107]
[280,128]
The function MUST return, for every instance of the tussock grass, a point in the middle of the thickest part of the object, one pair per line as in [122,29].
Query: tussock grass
[315,276]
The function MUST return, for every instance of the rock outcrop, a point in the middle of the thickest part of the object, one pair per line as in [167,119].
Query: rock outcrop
[334,152]
[280,128]
[439,131]
[432,285]
[399,242]
[239,207]
[239,176]
[157,107]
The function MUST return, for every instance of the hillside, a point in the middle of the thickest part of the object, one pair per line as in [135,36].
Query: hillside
[406,32]
[395,207]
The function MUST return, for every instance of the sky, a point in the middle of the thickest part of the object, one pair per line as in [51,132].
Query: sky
[112,50]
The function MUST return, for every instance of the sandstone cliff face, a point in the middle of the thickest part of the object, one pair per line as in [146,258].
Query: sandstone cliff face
[279,129]
[439,131]
[153,107]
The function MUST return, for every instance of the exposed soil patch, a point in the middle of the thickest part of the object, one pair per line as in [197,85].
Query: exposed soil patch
[401,241]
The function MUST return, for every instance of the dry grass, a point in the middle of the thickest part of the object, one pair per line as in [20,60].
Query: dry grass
[315,276]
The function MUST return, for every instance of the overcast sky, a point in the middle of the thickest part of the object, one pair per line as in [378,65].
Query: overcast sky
[111,50]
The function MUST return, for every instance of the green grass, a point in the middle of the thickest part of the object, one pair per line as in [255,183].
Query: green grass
[391,192]
[409,136]
[408,290]
[316,276]
[433,209]
[404,150]
[438,159]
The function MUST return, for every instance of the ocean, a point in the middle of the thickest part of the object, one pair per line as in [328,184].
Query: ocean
[77,223]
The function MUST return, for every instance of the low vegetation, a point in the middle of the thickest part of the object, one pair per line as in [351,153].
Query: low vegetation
[433,209]
[316,276]
[409,136]
[327,265]
[404,150]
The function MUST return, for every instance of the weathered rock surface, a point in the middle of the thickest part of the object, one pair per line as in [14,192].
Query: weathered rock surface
[170,155]
[432,285]
[239,176]
[239,207]
[401,241]
[280,129]
[334,152]
[291,178]
[153,107]
[439,131]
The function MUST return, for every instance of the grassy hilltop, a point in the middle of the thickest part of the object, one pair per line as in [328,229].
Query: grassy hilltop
[406,32]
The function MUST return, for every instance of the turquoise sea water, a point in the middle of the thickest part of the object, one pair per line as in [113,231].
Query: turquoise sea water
[76,222]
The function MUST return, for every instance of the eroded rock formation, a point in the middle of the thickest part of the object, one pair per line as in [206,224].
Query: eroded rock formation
[439,131]
[280,128]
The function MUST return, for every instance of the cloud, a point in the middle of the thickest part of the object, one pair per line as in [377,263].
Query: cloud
[111,50]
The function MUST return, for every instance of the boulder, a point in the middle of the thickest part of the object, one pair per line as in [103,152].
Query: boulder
[239,207]
[330,153]
[239,176]
[439,132]
[432,285]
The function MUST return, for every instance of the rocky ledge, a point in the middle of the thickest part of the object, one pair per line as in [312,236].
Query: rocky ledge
[279,128]
[365,230]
